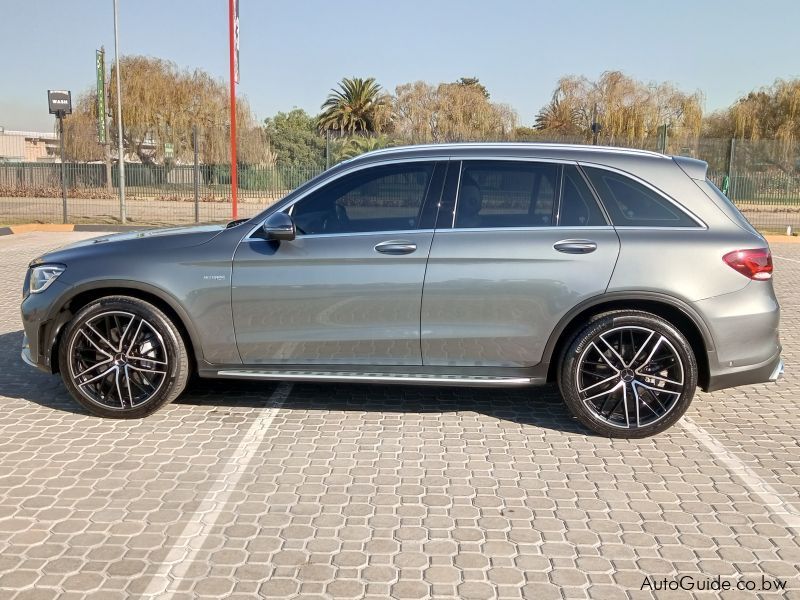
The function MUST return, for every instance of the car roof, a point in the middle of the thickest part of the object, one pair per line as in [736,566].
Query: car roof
[576,152]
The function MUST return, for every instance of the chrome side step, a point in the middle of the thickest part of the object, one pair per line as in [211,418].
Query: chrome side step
[373,377]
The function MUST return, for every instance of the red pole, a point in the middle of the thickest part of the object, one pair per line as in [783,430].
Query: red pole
[234,169]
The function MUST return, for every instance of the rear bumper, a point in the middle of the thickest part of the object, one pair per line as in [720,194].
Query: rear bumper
[768,371]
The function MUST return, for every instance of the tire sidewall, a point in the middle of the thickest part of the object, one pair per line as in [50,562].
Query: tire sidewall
[568,379]
[174,349]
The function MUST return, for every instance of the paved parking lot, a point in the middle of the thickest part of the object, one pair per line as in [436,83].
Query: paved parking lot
[248,490]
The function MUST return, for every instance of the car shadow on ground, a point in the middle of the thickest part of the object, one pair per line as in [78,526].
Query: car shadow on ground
[539,406]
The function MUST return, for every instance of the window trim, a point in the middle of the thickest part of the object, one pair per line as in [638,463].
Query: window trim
[288,208]
[518,159]
[700,224]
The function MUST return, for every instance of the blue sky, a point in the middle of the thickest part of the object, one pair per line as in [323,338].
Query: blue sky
[293,51]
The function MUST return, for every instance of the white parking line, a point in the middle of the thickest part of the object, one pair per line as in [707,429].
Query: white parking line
[180,557]
[786,258]
[776,503]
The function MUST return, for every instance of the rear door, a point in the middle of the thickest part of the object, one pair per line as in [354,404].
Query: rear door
[518,243]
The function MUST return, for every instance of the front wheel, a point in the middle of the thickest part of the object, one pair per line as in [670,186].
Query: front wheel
[628,374]
[122,357]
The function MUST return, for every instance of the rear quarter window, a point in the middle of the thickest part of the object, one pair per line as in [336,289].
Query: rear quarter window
[726,204]
[631,204]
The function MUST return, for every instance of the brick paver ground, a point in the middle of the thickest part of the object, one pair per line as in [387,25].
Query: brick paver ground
[248,490]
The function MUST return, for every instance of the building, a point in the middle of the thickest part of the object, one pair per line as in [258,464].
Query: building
[28,146]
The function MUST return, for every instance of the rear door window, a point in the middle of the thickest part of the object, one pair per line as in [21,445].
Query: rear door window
[631,204]
[497,193]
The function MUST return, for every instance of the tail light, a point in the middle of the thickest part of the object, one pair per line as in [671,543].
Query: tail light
[755,264]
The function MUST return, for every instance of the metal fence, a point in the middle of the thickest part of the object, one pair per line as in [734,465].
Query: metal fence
[762,178]
[155,195]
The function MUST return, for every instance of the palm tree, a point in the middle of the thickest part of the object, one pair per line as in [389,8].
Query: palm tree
[558,117]
[354,146]
[358,106]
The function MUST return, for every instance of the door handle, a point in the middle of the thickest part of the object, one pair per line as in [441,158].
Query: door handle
[396,247]
[575,246]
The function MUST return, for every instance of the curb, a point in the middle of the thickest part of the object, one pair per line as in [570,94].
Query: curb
[51,227]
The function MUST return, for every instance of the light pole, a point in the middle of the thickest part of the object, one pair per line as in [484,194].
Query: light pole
[120,150]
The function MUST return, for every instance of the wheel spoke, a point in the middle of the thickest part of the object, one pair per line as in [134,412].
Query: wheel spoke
[661,379]
[146,359]
[97,377]
[603,356]
[93,343]
[143,370]
[612,390]
[125,333]
[606,380]
[653,351]
[625,404]
[655,389]
[642,347]
[107,342]
[614,351]
[119,389]
[93,367]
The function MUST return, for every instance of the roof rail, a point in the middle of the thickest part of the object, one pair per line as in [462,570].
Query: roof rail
[541,145]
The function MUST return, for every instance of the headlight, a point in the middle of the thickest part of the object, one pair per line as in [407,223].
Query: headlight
[43,275]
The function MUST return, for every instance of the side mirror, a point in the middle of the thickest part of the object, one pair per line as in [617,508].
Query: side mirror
[279,226]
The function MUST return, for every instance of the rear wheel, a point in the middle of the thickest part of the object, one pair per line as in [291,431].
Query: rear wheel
[628,374]
[122,357]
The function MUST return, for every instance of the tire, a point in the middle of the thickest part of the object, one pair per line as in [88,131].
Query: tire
[628,374]
[121,357]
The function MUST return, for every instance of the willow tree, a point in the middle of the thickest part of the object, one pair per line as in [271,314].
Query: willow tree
[161,104]
[448,112]
[80,130]
[768,119]
[628,110]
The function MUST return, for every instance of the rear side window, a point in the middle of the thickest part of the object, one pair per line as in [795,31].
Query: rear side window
[631,204]
[578,205]
[506,194]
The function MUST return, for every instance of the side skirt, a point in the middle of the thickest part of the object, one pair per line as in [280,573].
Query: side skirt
[352,376]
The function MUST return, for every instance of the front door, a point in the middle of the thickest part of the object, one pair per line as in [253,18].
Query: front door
[525,242]
[347,290]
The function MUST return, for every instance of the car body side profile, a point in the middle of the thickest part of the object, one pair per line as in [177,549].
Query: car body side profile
[624,276]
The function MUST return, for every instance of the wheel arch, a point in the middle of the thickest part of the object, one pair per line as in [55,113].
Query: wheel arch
[80,296]
[674,310]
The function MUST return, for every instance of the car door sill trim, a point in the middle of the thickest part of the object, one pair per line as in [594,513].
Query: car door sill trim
[377,377]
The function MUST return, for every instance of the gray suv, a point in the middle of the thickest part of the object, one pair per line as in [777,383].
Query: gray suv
[624,276]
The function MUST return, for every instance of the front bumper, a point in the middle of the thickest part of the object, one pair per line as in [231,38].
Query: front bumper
[42,322]
[26,353]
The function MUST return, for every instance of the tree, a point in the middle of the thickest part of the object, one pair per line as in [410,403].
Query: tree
[454,111]
[358,106]
[294,139]
[475,83]
[353,146]
[628,110]
[773,112]
[162,103]
[769,119]
[80,130]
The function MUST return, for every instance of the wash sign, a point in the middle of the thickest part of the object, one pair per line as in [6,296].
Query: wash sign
[59,101]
